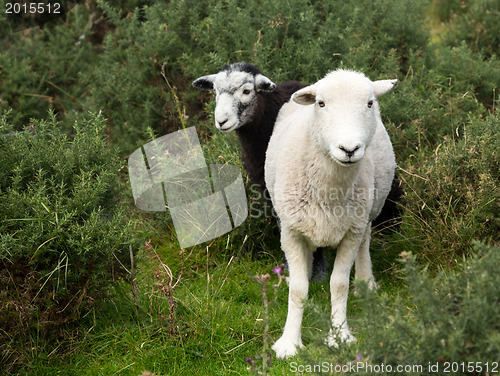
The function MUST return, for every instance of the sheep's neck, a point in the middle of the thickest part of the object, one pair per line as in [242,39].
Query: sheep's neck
[254,138]
[260,128]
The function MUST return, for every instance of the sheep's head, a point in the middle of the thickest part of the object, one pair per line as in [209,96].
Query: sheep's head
[236,88]
[345,113]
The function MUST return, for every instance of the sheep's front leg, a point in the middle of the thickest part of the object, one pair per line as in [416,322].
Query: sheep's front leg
[363,261]
[339,287]
[299,264]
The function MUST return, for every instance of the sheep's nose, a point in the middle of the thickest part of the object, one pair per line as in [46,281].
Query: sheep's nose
[349,153]
[221,123]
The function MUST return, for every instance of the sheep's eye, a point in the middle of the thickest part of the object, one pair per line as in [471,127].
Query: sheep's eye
[370,104]
[321,103]
[246,91]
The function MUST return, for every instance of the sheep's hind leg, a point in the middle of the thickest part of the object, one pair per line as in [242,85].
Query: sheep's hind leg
[339,287]
[363,261]
[299,258]
[320,265]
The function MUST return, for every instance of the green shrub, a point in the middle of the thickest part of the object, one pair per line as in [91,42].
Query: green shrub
[477,24]
[467,73]
[436,320]
[40,69]
[450,318]
[304,40]
[452,195]
[299,40]
[84,65]
[437,100]
[61,223]
[375,36]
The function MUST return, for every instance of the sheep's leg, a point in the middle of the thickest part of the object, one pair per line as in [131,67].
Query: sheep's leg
[310,262]
[363,261]
[299,258]
[320,265]
[339,287]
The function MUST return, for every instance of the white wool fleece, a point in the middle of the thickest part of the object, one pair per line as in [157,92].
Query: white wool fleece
[329,168]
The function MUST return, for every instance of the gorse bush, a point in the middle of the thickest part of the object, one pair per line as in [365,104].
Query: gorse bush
[444,321]
[61,224]
[121,74]
[40,70]
[476,23]
[303,40]
[109,58]
[453,195]
[464,71]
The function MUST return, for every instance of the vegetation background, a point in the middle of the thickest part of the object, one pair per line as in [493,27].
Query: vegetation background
[92,286]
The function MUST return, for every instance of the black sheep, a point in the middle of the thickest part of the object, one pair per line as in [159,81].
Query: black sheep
[248,103]
[251,114]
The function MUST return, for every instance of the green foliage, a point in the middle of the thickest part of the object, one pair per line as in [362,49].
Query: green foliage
[468,73]
[477,24]
[61,224]
[110,59]
[451,317]
[40,69]
[453,196]
[304,40]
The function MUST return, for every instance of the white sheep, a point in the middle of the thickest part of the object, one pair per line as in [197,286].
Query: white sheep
[329,168]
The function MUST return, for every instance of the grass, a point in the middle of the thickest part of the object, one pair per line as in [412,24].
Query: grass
[218,321]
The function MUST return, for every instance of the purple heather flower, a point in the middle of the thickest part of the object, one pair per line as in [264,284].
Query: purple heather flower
[277,270]
[358,357]
[248,360]
[31,128]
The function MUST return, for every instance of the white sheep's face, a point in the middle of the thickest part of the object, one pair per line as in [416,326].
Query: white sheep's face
[345,113]
[235,95]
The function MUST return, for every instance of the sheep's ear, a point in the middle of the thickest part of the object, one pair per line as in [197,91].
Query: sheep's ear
[205,82]
[305,96]
[383,86]
[262,83]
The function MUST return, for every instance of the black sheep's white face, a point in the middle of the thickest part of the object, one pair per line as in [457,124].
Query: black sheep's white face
[236,96]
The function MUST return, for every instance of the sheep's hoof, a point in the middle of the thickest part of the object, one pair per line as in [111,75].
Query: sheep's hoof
[285,348]
[371,284]
[335,338]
